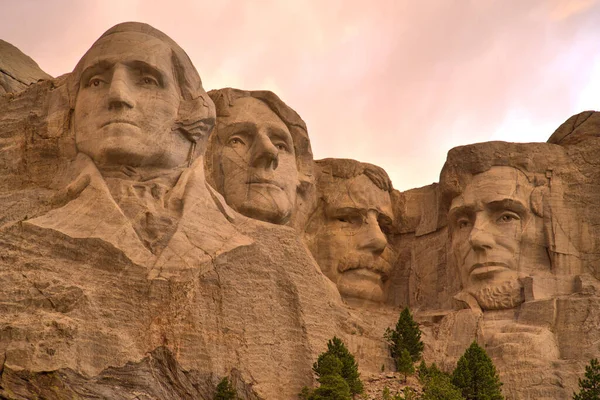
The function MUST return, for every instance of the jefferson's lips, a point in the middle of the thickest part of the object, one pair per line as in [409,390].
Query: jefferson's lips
[263,181]
[118,121]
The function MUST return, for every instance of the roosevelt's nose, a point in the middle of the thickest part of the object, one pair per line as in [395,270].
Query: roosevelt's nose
[372,237]
[480,237]
[264,152]
[120,91]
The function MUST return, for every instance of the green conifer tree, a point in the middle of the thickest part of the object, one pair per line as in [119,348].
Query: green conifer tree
[332,384]
[404,364]
[225,391]
[475,375]
[407,335]
[349,370]
[590,386]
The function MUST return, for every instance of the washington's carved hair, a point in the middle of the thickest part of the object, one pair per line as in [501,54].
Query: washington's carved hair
[196,116]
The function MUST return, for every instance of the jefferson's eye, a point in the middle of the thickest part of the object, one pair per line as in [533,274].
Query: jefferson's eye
[235,141]
[508,217]
[281,147]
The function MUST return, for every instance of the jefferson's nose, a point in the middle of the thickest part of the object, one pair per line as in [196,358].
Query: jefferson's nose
[372,238]
[120,92]
[264,152]
[480,237]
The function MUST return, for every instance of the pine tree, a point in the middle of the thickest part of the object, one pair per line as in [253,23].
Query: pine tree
[439,387]
[225,391]
[349,366]
[332,384]
[407,335]
[590,386]
[475,375]
[404,364]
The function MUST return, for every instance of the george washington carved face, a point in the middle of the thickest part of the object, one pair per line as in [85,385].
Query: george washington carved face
[128,102]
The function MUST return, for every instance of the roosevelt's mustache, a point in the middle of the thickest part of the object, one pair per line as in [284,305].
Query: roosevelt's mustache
[374,263]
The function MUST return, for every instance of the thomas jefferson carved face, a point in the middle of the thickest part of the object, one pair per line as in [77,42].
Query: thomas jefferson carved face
[258,162]
[496,238]
[349,240]
[128,102]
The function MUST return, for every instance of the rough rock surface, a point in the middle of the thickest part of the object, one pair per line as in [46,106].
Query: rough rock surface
[127,276]
[17,70]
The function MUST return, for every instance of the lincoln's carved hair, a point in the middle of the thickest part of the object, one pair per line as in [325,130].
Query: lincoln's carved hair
[332,169]
[196,117]
[224,98]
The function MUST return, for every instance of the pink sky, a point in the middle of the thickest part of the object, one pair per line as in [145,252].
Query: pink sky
[396,83]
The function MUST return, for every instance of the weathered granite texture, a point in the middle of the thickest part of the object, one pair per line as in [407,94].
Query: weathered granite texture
[130,273]
[17,70]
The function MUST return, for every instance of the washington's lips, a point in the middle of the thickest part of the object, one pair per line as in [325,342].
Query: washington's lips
[488,268]
[118,121]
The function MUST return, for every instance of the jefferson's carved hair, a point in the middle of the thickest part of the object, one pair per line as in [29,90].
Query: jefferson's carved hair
[224,98]
[196,116]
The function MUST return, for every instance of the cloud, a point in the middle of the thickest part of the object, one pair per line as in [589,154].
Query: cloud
[393,82]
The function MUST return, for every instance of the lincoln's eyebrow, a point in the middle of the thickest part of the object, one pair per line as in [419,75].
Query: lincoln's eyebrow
[507,204]
[459,211]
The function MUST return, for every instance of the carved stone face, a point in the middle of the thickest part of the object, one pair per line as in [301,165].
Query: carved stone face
[350,243]
[127,104]
[258,163]
[496,238]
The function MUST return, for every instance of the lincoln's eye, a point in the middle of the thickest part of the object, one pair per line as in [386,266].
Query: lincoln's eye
[463,223]
[508,217]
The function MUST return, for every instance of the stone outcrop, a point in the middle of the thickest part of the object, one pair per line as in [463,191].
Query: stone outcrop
[155,238]
[17,70]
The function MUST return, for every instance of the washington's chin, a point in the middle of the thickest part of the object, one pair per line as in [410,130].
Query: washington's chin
[362,284]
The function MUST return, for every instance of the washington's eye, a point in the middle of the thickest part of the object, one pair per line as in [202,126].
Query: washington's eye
[148,80]
[508,217]
[95,82]
[281,147]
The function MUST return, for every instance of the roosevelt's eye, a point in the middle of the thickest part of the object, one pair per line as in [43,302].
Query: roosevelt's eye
[508,217]
[463,223]
[350,219]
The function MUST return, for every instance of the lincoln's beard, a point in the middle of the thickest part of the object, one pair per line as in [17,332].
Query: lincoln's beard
[499,296]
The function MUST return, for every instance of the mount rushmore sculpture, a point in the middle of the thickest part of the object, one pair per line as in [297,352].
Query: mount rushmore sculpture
[155,238]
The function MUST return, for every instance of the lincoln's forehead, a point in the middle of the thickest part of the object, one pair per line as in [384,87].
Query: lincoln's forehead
[494,185]
[358,193]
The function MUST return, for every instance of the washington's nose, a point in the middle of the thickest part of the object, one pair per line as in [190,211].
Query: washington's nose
[373,239]
[480,237]
[119,94]
[264,153]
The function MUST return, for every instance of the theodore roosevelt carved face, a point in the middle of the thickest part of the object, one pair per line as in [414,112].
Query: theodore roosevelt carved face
[348,233]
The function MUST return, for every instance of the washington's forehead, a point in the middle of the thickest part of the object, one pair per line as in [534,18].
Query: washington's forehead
[360,193]
[129,47]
